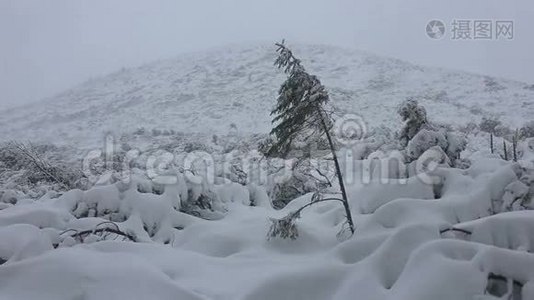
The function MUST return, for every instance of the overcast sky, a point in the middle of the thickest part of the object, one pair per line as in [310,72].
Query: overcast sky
[49,46]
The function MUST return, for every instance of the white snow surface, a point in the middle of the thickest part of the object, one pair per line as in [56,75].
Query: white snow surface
[397,251]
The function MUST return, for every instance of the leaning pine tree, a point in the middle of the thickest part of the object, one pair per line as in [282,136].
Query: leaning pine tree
[300,110]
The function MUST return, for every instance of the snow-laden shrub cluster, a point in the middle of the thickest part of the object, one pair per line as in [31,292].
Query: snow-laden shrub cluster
[460,242]
[414,117]
[211,159]
[305,177]
[489,124]
[186,192]
[424,140]
[149,215]
[469,128]
[450,143]
[472,217]
[39,172]
[418,135]
[527,130]
[519,194]
[284,228]
[494,126]
[35,170]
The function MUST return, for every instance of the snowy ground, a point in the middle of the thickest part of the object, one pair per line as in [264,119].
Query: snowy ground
[464,237]
[396,253]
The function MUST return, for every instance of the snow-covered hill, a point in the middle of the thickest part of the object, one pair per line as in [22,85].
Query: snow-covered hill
[208,92]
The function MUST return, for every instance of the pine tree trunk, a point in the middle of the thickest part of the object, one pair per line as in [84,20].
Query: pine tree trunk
[339,176]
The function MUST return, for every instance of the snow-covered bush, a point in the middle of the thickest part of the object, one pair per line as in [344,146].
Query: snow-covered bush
[456,143]
[527,130]
[148,215]
[418,135]
[265,145]
[258,196]
[305,177]
[424,140]
[516,196]
[285,228]
[450,143]
[525,149]
[10,196]
[503,131]
[286,190]
[200,206]
[414,118]
[489,124]
[113,163]
[35,169]
[233,166]
[519,194]
[193,146]
[468,128]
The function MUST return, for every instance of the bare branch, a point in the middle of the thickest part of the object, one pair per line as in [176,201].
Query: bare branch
[104,231]
[455,229]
